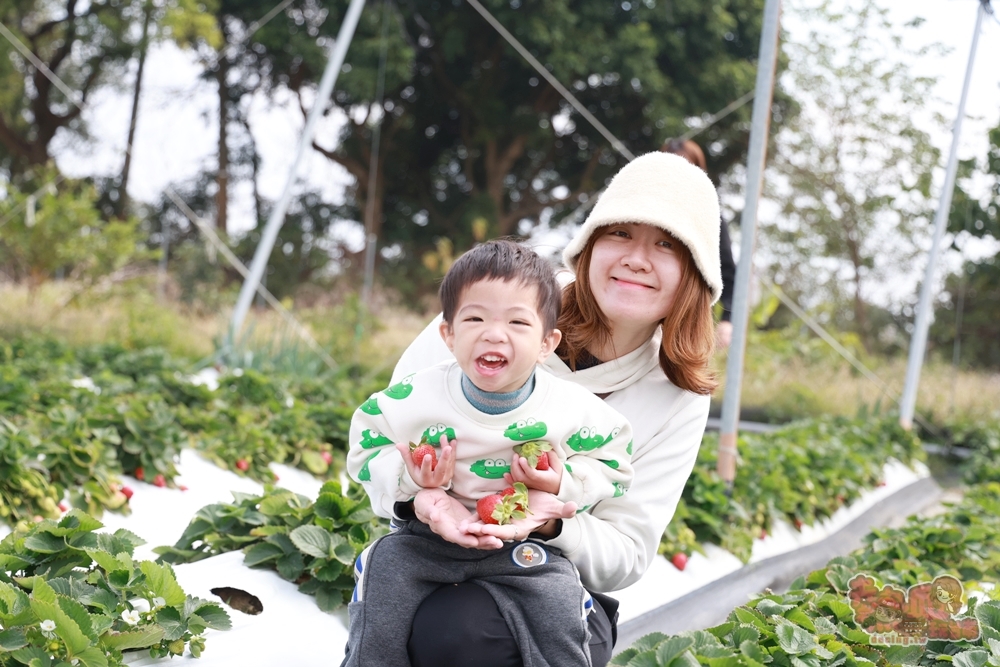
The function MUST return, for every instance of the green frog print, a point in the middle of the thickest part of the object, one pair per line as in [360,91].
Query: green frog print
[526,429]
[401,389]
[619,489]
[365,474]
[432,434]
[587,439]
[371,439]
[490,468]
[370,407]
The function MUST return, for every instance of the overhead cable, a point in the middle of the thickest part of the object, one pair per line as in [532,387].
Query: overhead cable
[598,125]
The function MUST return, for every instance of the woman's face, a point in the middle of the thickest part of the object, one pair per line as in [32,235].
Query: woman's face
[635,270]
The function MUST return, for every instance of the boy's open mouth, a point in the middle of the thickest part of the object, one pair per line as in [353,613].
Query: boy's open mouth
[491,363]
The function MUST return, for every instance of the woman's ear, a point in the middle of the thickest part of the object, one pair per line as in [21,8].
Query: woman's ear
[549,344]
[448,335]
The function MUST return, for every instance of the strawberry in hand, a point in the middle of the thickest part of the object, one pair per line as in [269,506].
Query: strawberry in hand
[424,466]
[537,453]
[504,507]
[536,466]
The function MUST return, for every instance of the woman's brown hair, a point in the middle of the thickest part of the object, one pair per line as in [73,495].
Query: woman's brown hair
[688,330]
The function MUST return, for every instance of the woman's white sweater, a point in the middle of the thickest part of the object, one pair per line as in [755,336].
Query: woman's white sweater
[614,542]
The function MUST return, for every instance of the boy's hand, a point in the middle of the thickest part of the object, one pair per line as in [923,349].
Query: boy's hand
[542,507]
[447,517]
[423,475]
[540,480]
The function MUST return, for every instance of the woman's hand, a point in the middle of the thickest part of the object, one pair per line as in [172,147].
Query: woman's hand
[543,507]
[447,517]
[425,476]
[542,480]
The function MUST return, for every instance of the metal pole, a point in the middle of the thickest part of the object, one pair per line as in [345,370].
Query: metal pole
[918,342]
[760,127]
[274,222]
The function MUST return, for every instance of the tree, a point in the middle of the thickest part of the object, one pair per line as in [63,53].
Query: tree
[968,307]
[852,171]
[62,229]
[479,145]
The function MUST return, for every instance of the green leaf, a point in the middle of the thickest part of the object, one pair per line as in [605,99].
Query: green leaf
[794,640]
[622,658]
[645,659]
[44,604]
[92,657]
[671,648]
[161,580]
[648,642]
[976,657]
[12,639]
[752,650]
[291,566]
[262,552]
[170,620]
[144,637]
[214,616]
[771,608]
[45,543]
[313,540]
[742,633]
[79,614]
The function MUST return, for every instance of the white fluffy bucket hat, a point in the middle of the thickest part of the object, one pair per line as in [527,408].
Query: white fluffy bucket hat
[668,192]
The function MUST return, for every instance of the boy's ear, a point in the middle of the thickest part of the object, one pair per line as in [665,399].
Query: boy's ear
[448,335]
[549,344]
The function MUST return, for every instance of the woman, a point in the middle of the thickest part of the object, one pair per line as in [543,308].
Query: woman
[637,331]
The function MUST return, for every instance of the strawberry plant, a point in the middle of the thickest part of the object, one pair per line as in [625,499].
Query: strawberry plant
[312,544]
[72,596]
[813,624]
[802,473]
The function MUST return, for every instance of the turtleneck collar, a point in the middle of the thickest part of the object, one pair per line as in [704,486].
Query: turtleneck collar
[493,403]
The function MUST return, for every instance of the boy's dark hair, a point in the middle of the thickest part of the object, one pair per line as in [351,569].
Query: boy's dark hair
[502,259]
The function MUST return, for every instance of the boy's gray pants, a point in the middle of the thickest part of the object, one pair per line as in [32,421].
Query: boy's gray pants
[537,590]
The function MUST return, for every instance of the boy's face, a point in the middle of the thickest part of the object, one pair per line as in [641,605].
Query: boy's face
[497,335]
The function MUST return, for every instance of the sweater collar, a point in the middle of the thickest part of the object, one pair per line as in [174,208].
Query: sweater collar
[615,374]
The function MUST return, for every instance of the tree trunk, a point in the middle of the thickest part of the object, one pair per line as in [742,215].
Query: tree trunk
[222,177]
[122,206]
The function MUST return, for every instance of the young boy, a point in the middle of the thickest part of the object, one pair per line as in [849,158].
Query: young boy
[500,302]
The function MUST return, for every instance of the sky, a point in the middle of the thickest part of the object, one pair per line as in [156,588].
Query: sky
[176,135]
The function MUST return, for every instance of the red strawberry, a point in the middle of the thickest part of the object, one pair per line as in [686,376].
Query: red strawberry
[182,487]
[420,452]
[159,481]
[487,506]
[243,465]
[798,523]
[680,560]
[763,533]
[63,507]
[327,457]
[127,492]
[535,452]
[518,495]
[139,474]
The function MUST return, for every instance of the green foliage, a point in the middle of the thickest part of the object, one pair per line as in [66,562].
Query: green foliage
[813,624]
[70,595]
[61,228]
[481,142]
[64,436]
[312,544]
[801,474]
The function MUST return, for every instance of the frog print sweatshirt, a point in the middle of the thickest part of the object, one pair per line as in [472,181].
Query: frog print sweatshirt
[593,440]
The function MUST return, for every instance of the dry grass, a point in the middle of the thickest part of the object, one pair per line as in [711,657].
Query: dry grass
[797,387]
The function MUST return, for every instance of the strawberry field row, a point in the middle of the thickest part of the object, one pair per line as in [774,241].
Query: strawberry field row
[814,624]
